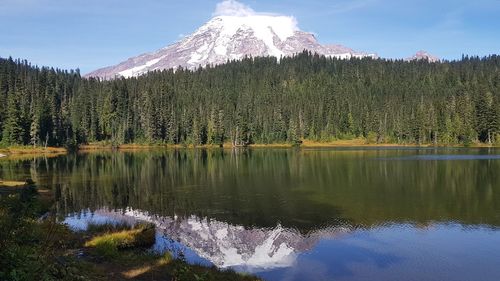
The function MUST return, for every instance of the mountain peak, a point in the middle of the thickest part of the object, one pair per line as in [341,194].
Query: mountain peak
[423,55]
[235,32]
[265,29]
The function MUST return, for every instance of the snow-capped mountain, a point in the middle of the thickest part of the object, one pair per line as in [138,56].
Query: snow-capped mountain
[226,37]
[423,55]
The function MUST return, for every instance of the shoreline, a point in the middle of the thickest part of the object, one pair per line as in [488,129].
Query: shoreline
[28,151]
[11,150]
[354,143]
[103,251]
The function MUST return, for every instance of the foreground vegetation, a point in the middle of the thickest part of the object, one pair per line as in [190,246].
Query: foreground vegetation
[257,101]
[41,249]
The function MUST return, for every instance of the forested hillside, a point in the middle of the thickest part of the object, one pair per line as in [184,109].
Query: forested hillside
[259,100]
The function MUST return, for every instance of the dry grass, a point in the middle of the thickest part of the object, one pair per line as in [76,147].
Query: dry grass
[94,146]
[358,142]
[12,183]
[164,260]
[30,152]
[33,150]
[141,147]
[115,239]
[271,145]
[141,237]
[108,146]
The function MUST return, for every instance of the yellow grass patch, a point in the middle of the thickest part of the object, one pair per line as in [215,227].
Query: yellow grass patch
[358,142]
[33,150]
[271,145]
[12,183]
[107,146]
[140,236]
[121,239]
[134,272]
[29,152]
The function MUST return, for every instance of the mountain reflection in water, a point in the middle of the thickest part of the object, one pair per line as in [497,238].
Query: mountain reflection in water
[309,214]
[222,244]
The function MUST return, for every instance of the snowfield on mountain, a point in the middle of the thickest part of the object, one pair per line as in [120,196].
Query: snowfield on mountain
[230,37]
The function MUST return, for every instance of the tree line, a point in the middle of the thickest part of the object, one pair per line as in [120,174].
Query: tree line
[257,100]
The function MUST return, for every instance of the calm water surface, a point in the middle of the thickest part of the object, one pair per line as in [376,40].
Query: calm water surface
[310,214]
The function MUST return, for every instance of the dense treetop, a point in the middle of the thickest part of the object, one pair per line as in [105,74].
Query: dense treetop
[257,100]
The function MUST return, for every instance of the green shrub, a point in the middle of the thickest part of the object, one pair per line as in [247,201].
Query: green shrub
[371,138]
[107,249]
[141,235]
[28,248]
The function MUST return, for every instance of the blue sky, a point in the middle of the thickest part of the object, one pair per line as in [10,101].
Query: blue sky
[89,34]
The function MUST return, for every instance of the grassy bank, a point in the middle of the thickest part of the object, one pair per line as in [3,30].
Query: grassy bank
[32,150]
[35,249]
[109,146]
[27,152]
[356,142]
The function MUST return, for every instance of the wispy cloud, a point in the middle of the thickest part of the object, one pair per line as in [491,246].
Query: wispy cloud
[238,9]
[233,8]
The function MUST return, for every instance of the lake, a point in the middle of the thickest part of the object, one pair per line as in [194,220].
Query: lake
[295,214]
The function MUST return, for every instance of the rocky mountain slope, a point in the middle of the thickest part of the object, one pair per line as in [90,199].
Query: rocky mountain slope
[229,37]
[423,55]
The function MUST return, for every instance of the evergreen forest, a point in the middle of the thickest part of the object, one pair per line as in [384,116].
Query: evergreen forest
[257,101]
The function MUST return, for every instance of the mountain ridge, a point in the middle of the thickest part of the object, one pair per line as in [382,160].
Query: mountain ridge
[229,37]
[423,55]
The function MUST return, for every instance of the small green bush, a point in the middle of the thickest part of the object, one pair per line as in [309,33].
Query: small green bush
[108,243]
[107,249]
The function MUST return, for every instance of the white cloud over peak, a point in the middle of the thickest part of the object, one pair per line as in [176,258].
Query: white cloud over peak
[283,26]
[233,8]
